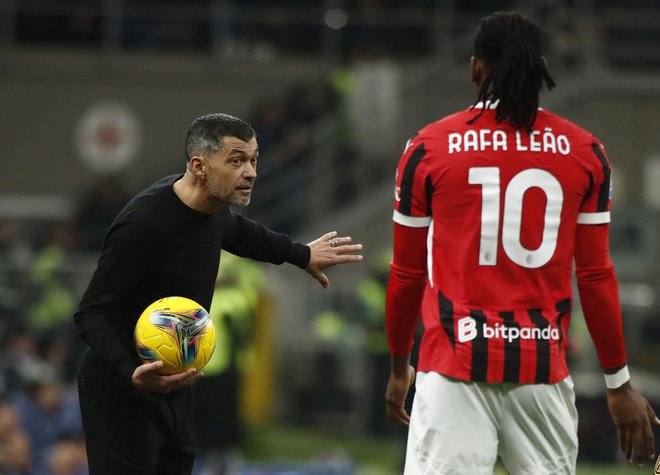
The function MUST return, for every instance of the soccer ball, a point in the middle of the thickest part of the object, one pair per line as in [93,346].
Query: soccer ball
[176,330]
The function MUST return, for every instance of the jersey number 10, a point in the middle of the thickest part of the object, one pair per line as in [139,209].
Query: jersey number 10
[489,179]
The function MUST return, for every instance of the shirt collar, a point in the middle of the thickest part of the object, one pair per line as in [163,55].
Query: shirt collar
[489,104]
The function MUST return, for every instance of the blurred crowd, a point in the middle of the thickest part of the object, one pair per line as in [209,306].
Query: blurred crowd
[40,427]
[342,28]
[178,25]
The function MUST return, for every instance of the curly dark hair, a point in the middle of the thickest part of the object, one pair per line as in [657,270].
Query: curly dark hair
[509,44]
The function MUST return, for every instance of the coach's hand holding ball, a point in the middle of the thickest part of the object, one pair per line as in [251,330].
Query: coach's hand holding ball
[175,337]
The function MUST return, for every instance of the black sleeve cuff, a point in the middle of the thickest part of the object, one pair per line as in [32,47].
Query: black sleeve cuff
[299,254]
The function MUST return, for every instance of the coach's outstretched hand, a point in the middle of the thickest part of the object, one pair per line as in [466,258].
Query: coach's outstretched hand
[149,378]
[330,250]
[634,420]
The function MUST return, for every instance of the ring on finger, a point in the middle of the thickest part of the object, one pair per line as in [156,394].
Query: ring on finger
[333,242]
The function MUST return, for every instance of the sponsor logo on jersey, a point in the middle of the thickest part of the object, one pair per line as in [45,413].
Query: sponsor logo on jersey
[467,331]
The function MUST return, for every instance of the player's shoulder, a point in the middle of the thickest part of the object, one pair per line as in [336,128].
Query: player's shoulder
[579,136]
[433,133]
[446,124]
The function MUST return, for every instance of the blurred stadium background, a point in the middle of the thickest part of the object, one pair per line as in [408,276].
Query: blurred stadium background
[95,100]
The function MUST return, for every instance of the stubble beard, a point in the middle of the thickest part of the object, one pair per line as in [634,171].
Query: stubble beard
[242,202]
[227,194]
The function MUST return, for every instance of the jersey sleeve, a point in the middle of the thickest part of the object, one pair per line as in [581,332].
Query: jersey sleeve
[595,208]
[596,279]
[599,294]
[408,273]
[412,205]
[405,287]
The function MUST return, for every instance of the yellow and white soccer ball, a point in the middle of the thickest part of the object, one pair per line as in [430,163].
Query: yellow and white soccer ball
[176,330]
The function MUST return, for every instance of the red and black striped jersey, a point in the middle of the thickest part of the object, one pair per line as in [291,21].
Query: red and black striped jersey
[502,207]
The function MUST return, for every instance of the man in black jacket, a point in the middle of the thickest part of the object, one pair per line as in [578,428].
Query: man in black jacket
[167,242]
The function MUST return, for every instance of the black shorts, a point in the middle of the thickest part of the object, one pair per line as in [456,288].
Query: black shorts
[129,431]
